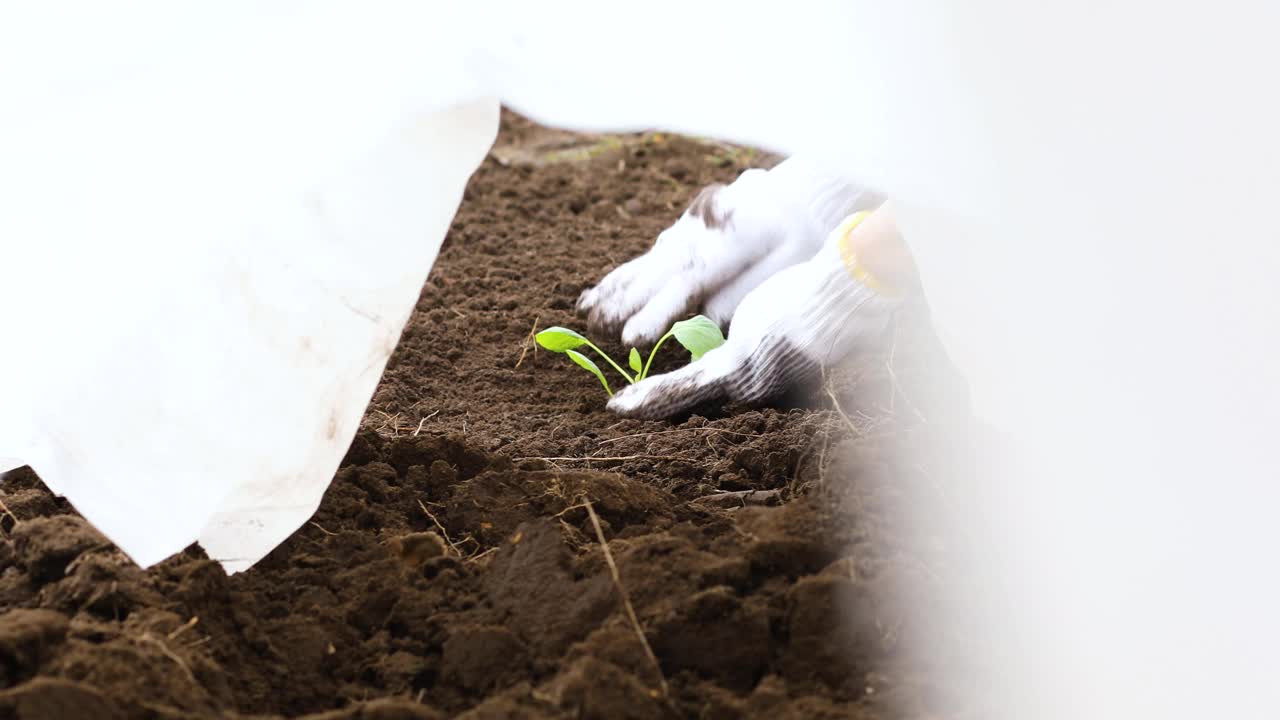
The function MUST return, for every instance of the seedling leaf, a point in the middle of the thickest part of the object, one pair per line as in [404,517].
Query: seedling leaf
[635,363]
[560,339]
[585,362]
[698,335]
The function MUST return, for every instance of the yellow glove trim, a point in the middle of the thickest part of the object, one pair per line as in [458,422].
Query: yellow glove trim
[851,264]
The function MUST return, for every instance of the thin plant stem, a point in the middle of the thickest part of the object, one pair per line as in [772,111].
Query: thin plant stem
[608,359]
[645,373]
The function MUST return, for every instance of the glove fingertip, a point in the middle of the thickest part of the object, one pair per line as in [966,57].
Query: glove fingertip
[665,396]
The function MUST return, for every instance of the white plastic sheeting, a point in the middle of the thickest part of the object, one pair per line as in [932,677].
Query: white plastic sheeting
[216,224]
[215,217]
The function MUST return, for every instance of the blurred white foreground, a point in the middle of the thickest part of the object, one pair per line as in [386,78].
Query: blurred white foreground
[215,218]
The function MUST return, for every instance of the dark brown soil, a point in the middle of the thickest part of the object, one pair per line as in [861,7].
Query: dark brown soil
[453,568]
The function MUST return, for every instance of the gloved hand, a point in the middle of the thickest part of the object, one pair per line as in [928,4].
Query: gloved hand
[796,323]
[730,240]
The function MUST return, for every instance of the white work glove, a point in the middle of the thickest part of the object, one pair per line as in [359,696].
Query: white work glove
[799,321]
[730,240]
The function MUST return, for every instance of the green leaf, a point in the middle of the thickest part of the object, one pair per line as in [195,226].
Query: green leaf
[559,339]
[634,360]
[585,362]
[698,335]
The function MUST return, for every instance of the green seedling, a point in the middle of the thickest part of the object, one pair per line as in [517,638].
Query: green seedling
[698,335]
